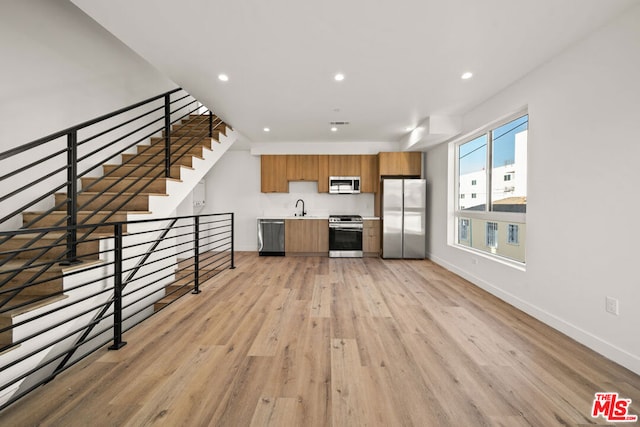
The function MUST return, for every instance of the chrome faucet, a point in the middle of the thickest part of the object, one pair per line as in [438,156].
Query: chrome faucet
[303,211]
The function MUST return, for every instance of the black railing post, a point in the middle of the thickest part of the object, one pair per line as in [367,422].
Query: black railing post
[233,265]
[196,253]
[167,132]
[72,198]
[117,290]
[210,124]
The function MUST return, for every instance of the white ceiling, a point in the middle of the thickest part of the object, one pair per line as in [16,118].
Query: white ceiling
[402,60]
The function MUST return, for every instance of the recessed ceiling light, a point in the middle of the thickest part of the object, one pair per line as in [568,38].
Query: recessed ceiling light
[266,130]
[466,76]
[338,77]
[334,129]
[223,77]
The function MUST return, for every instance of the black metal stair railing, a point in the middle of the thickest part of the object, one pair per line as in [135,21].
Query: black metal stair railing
[33,173]
[126,277]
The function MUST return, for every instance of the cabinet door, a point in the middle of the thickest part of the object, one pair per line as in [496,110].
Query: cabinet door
[371,237]
[273,174]
[294,236]
[322,236]
[369,173]
[344,165]
[306,236]
[400,163]
[323,174]
[302,168]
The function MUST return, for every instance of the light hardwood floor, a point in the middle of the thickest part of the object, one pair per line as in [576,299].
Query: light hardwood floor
[344,342]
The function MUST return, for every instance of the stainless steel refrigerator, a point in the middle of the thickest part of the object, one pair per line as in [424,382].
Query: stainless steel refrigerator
[403,218]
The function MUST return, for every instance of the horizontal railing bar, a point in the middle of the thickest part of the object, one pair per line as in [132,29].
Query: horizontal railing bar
[104,161]
[55,325]
[64,132]
[202,266]
[33,164]
[62,307]
[35,182]
[139,221]
[106,131]
[67,335]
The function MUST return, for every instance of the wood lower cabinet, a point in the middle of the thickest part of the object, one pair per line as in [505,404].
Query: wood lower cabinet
[306,237]
[371,237]
[273,174]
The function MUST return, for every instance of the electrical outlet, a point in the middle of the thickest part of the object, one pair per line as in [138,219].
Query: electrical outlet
[611,305]
[474,261]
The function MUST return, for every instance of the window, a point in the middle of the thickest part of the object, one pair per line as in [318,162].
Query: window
[492,234]
[491,165]
[462,196]
[464,229]
[512,234]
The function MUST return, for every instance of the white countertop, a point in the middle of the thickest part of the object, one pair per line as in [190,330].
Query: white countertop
[368,218]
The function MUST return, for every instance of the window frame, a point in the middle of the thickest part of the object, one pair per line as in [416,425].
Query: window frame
[487,214]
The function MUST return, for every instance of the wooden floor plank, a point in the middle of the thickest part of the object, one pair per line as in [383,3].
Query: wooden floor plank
[313,341]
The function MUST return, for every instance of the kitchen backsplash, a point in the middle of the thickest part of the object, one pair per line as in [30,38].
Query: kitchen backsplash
[316,204]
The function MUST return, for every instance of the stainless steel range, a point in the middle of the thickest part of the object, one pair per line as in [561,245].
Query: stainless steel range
[345,236]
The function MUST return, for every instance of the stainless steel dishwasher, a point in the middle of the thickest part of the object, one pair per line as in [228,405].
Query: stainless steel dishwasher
[271,237]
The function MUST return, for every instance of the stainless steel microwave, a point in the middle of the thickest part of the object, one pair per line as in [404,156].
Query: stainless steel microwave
[344,184]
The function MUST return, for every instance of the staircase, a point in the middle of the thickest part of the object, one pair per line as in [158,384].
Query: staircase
[125,190]
[34,278]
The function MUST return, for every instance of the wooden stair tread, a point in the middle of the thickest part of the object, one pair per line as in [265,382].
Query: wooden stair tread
[93,193]
[160,154]
[17,264]
[145,166]
[29,307]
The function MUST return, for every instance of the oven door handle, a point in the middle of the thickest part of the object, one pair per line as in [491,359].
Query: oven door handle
[354,227]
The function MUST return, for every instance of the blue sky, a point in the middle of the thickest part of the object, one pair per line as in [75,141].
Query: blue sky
[473,154]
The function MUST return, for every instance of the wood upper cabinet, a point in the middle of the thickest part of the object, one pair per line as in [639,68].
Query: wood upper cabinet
[323,173]
[302,168]
[273,174]
[371,237]
[306,236]
[400,163]
[368,173]
[344,165]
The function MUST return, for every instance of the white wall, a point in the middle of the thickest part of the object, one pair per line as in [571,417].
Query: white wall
[582,237]
[233,185]
[60,68]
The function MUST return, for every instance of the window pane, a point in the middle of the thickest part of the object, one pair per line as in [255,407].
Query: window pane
[509,154]
[463,229]
[472,164]
[492,235]
[513,238]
